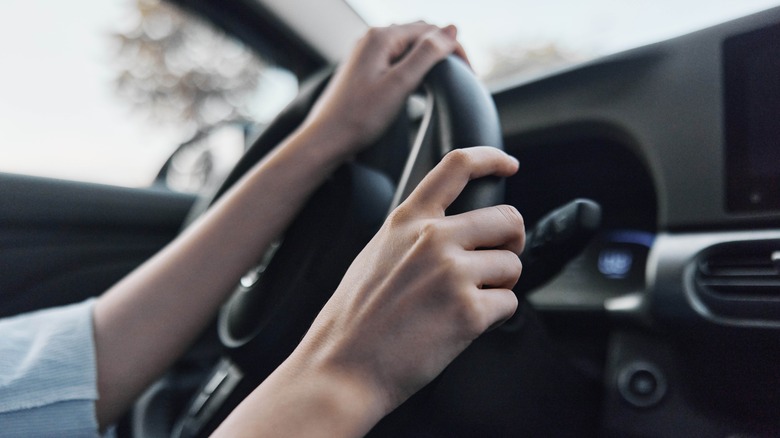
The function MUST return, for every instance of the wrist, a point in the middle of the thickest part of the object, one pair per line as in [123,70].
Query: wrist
[334,139]
[348,402]
[302,399]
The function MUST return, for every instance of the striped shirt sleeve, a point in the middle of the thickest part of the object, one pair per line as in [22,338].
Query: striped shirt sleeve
[48,375]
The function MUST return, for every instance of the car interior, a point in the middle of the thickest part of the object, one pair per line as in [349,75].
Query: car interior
[649,183]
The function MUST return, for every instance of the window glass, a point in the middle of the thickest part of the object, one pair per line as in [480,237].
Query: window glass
[512,39]
[105,91]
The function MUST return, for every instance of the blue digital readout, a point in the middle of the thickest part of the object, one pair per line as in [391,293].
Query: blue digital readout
[615,263]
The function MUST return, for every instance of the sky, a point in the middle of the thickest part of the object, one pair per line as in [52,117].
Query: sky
[59,116]
[595,27]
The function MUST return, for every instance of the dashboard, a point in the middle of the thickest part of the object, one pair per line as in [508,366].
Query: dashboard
[601,170]
[678,142]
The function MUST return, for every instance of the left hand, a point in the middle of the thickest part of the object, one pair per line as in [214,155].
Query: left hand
[369,89]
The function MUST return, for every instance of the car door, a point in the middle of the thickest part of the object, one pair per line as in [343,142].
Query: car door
[62,241]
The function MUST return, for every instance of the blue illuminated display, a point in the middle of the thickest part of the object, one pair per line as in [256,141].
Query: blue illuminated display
[615,263]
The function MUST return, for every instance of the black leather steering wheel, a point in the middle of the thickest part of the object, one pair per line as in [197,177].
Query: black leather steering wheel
[277,301]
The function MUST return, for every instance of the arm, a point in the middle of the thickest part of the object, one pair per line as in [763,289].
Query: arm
[416,296]
[149,318]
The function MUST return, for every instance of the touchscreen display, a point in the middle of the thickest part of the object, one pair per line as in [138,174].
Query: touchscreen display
[752,120]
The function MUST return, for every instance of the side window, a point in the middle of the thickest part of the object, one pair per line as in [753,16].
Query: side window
[131,93]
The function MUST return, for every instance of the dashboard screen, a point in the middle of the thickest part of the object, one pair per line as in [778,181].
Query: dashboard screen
[752,119]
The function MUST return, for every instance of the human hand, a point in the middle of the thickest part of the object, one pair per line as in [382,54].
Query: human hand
[418,294]
[423,289]
[371,86]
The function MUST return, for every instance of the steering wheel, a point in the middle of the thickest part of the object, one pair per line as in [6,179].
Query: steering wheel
[276,301]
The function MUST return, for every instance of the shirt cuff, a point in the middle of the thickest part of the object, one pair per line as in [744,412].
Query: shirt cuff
[47,361]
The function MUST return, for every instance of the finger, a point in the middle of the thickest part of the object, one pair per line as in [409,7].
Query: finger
[445,182]
[494,268]
[500,226]
[425,52]
[397,38]
[417,29]
[498,305]
[459,51]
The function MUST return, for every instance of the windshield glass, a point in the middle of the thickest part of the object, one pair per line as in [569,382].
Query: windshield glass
[522,38]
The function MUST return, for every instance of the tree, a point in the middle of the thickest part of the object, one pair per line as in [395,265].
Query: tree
[179,69]
[521,59]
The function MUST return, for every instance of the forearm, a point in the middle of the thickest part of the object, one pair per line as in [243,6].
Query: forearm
[306,398]
[148,319]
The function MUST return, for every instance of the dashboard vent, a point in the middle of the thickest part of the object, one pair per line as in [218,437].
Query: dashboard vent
[740,280]
[736,274]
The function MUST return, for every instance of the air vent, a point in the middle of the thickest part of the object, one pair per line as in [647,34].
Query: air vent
[740,280]
[740,275]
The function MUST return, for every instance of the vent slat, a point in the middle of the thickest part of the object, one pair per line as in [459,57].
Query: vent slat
[739,275]
[767,282]
[741,272]
[756,292]
[738,266]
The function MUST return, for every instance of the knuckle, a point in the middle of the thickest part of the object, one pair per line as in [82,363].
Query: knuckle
[510,268]
[450,270]
[433,241]
[512,216]
[431,232]
[375,34]
[515,225]
[519,269]
[432,45]
[515,266]
[458,159]
[399,217]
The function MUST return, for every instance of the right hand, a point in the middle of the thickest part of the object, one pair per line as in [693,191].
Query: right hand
[420,292]
[425,286]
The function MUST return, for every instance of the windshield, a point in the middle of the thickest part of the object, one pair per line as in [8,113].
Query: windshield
[516,38]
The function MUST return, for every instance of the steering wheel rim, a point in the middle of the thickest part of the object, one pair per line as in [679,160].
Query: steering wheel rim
[459,113]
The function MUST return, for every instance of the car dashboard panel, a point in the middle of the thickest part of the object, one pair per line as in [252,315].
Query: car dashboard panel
[601,170]
[679,143]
